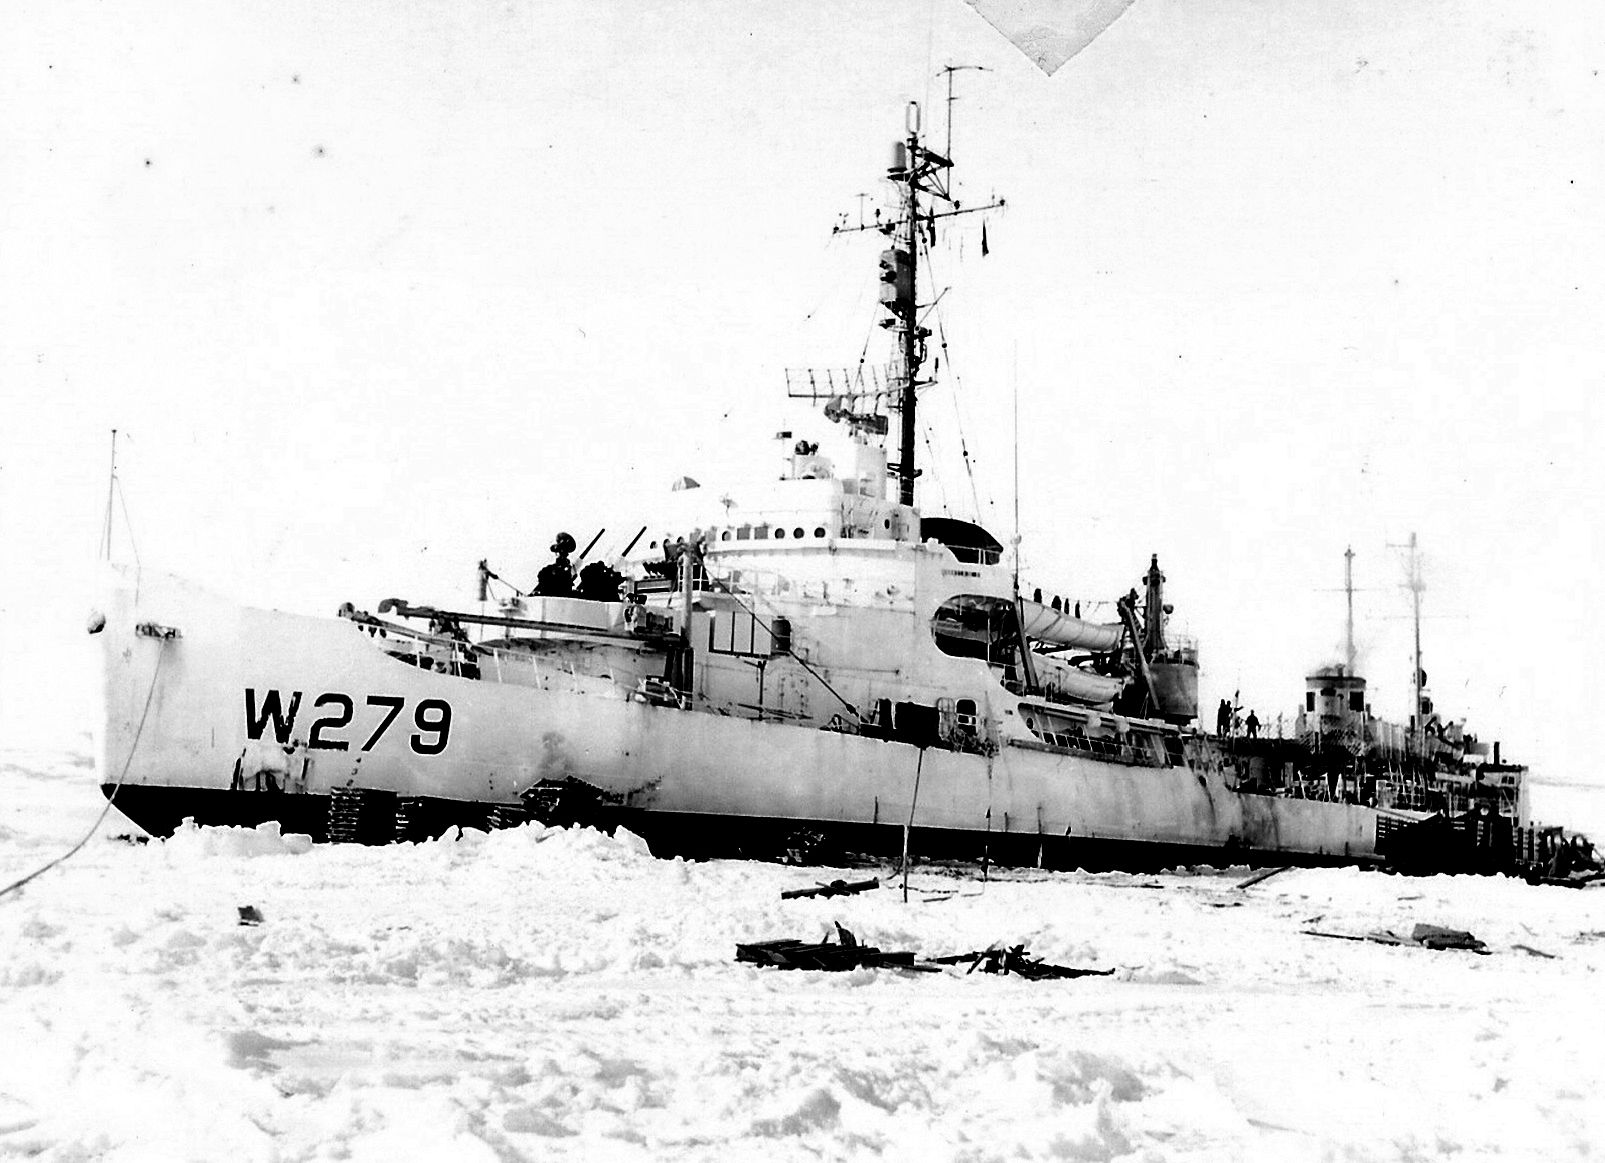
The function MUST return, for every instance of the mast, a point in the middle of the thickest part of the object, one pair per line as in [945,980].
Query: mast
[905,302]
[1026,665]
[1415,585]
[1348,590]
[1153,610]
[1415,594]
[1015,377]
[909,320]
[916,170]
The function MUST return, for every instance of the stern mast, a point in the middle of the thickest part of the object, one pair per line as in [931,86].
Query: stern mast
[1414,583]
[1348,591]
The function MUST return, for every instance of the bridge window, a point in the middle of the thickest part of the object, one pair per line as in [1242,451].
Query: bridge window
[1309,700]
[967,542]
[744,533]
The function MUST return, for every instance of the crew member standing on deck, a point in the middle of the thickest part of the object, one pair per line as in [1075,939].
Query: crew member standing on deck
[557,580]
[1223,718]
[1252,723]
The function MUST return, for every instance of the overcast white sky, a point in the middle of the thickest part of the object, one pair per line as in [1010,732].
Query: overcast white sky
[378,289]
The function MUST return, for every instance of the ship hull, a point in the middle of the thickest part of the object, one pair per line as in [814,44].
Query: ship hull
[249,715]
[697,835]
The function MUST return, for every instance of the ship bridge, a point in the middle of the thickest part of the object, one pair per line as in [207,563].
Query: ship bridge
[811,505]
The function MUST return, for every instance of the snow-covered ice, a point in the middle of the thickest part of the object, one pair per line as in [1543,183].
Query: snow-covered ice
[550,994]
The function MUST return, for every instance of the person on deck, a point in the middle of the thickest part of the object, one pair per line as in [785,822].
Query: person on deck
[557,579]
[1223,719]
[1252,723]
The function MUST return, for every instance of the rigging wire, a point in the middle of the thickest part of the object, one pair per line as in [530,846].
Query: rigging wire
[958,420]
[122,500]
[132,747]
[936,477]
[829,293]
[964,449]
[111,485]
[114,492]
[959,410]
[959,423]
[869,337]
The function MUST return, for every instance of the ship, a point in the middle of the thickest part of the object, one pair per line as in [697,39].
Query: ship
[809,667]
[1470,806]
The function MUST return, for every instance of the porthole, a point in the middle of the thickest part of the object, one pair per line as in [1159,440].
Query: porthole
[780,534]
[797,532]
[725,536]
[819,531]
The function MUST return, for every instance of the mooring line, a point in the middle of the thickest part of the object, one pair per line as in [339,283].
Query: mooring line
[132,747]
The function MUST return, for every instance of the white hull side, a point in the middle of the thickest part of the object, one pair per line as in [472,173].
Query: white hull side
[504,738]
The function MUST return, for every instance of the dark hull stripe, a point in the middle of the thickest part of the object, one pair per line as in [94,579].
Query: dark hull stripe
[160,810]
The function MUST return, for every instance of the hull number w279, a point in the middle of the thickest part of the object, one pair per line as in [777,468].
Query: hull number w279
[333,729]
